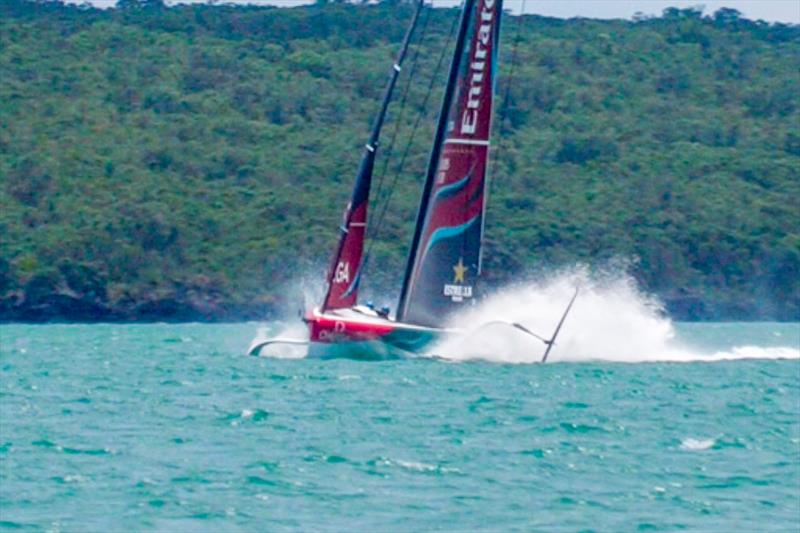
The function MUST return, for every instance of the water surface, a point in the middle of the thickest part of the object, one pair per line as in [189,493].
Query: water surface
[170,428]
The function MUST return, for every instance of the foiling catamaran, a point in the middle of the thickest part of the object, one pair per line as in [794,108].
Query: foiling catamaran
[444,259]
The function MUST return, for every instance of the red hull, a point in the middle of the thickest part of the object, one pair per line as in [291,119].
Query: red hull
[353,326]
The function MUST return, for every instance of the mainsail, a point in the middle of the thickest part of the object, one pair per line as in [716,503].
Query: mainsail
[344,273]
[445,256]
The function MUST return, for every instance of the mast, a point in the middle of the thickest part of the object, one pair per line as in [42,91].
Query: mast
[345,270]
[433,162]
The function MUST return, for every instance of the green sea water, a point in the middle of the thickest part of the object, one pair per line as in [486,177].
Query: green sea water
[169,427]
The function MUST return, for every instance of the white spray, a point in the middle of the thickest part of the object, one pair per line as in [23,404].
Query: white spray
[611,320]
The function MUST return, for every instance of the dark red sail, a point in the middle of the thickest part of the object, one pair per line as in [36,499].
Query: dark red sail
[344,273]
[445,259]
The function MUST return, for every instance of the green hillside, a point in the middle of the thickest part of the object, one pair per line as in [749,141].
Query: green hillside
[192,162]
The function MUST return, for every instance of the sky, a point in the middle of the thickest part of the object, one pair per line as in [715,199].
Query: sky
[769,10]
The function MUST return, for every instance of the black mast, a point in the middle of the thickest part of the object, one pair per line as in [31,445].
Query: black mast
[364,176]
[436,151]
[387,95]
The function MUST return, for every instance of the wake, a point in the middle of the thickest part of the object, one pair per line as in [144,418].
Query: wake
[611,320]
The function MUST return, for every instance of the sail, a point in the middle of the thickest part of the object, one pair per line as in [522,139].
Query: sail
[344,273]
[445,257]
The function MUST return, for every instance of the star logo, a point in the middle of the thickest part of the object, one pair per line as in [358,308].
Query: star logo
[459,269]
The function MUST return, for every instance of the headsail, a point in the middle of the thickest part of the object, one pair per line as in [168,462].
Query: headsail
[445,256]
[345,271]
[343,275]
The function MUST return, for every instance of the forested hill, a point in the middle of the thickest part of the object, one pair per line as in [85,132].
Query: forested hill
[193,161]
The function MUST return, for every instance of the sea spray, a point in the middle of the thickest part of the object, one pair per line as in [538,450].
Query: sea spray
[301,295]
[304,293]
[611,320]
[295,330]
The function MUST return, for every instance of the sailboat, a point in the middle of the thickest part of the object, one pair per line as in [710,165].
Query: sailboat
[444,259]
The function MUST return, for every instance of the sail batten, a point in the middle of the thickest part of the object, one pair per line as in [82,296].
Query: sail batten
[445,255]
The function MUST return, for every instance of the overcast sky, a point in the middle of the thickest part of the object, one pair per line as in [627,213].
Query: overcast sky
[770,10]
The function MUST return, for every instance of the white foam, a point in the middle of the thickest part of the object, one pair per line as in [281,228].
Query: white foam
[611,320]
[757,352]
[694,445]
[416,466]
[291,330]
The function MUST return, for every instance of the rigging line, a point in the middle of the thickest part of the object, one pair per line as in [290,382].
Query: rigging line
[490,187]
[410,141]
[495,161]
[399,120]
[506,97]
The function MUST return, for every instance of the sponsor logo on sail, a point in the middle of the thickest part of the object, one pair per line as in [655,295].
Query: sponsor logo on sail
[469,118]
[454,291]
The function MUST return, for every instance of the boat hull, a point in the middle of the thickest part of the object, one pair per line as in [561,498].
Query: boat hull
[361,333]
[349,333]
